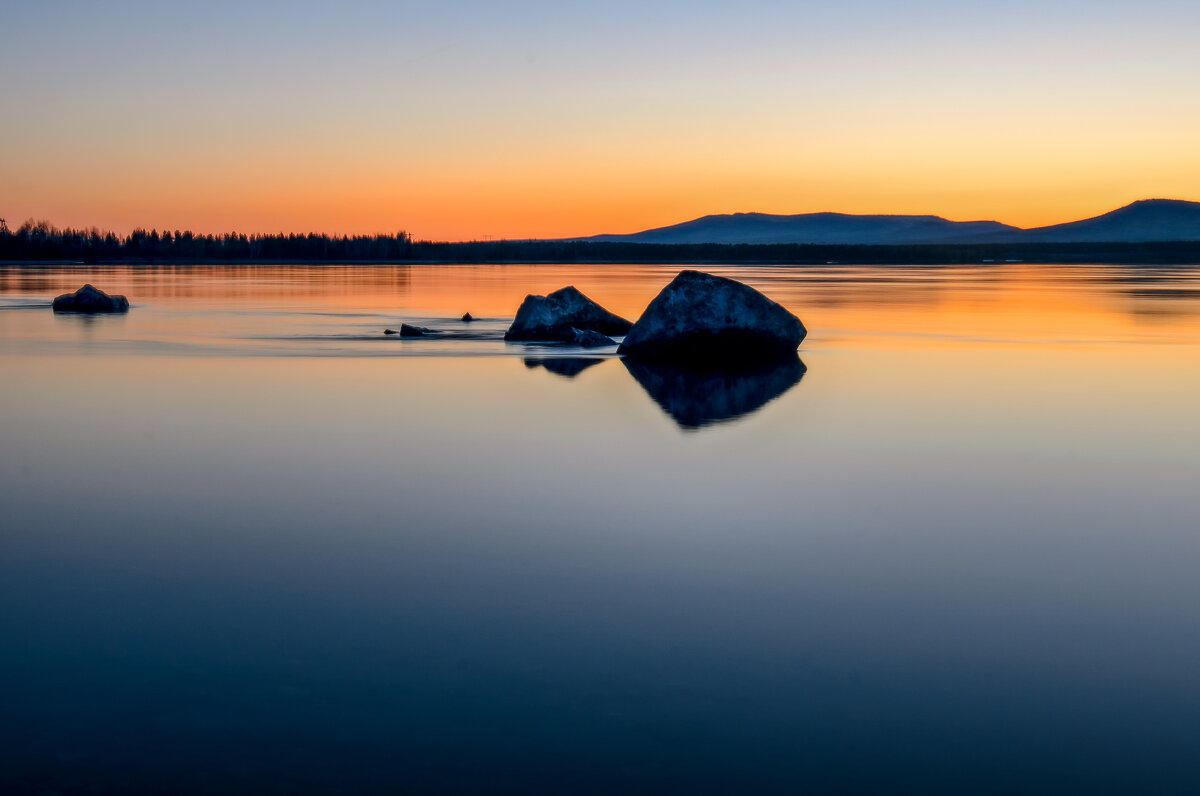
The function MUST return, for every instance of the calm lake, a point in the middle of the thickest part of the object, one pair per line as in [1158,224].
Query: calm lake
[251,544]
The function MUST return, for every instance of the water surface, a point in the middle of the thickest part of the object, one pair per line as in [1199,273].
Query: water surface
[252,544]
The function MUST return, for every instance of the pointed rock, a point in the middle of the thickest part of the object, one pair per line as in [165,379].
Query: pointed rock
[558,315]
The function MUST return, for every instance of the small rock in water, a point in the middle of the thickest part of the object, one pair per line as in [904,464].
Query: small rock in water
[90,299]
[703,317]
[414,331]
[390,331]
[586,338]
[558,315]
[466,318]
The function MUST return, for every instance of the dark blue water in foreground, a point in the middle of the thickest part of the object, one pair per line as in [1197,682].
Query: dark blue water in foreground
[250,545]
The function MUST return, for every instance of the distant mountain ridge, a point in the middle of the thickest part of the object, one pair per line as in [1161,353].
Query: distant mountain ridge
[1147,220]
[1140,222]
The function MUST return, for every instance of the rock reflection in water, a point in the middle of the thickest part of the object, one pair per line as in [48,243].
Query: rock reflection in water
[696,395]
[570,367]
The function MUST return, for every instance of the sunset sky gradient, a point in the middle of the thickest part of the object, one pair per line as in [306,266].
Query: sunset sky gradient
[469,120]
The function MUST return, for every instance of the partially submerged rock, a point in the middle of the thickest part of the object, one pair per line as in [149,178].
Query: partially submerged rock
[390,331]
[586,338]
[696,395]
[466,318]
[407,330]
[558,315]
[90,299]
[701,317]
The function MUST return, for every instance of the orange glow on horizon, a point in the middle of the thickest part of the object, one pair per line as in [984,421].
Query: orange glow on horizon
[446,214]
[963,175]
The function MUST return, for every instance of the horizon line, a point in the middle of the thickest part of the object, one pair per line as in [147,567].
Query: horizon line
[494,239]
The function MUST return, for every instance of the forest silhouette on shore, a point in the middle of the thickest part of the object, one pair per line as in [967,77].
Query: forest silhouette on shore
[40,241]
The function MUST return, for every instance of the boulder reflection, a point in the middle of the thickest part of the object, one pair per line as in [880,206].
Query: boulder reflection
[697,395]
[570,367]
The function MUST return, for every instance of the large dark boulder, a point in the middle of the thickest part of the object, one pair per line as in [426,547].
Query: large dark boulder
[90,299]
[697,395]
[558,315]
[701,317]
[407,330]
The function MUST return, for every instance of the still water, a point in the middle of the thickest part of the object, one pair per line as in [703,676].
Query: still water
[250,544]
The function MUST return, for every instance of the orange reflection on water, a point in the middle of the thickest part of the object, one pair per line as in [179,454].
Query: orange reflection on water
[1009,302]
[992,301]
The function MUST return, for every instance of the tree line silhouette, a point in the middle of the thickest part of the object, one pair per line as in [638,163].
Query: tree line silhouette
[41,241]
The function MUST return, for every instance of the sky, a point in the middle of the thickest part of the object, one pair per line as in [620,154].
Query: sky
[463,120]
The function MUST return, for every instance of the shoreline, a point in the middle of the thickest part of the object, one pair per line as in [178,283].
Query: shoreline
[526,253]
